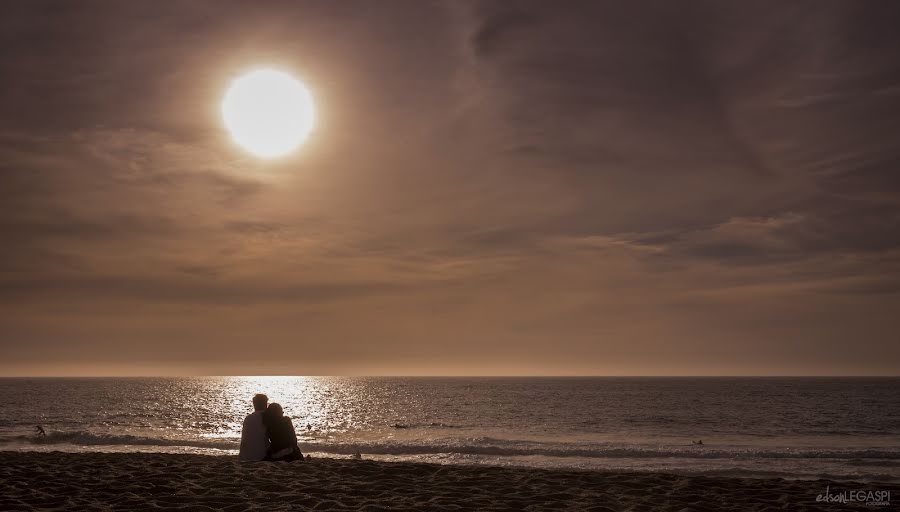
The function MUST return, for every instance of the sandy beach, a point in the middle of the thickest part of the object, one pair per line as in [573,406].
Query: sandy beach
[141,481]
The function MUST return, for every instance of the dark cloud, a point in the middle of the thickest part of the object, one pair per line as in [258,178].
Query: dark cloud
[198,288]
[497,27]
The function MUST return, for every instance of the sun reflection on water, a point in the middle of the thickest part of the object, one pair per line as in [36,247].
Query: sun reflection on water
[321,407]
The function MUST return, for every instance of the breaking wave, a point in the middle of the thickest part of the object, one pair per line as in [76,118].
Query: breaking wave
[82,438]
[484,446]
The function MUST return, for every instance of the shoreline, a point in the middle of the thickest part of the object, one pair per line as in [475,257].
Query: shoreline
[137,481]
[713,463]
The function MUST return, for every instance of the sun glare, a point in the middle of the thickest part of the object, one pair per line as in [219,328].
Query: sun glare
[269,113]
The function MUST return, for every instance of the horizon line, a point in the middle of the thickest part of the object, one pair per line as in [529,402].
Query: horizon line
[459,376]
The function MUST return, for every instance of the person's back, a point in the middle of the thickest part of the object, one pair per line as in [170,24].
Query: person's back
[281,432]
[254,438]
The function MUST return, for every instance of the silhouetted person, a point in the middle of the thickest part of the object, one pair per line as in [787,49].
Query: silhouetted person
[40,431]
[281,435]
[254,439]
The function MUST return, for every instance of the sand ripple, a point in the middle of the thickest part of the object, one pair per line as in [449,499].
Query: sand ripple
[142,481]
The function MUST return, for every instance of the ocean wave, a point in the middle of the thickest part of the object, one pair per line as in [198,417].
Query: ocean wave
[512,449]
[433,424]
[483,446]
[82,438]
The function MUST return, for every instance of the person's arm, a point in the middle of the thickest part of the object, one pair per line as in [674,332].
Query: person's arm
[243,436]
[294,439]
[293,433]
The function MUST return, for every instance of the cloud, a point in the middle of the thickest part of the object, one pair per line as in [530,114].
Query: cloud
[497,26]
[593,185]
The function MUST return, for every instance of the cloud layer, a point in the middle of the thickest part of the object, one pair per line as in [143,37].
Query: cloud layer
[493,187]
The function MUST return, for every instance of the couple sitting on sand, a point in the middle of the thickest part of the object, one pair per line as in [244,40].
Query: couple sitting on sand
[268,434]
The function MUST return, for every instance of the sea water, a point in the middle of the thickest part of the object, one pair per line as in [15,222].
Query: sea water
[837,428]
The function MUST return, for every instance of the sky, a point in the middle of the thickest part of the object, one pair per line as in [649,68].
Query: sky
[491,188]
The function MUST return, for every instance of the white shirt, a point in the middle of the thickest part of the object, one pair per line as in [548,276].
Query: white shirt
[254,441]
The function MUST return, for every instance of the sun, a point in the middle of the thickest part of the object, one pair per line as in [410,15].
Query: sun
[268,112]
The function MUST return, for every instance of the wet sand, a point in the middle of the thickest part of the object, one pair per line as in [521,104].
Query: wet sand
[144,481]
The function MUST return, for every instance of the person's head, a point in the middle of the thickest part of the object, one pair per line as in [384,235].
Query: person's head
[259,402]
[275,410]
[273,414]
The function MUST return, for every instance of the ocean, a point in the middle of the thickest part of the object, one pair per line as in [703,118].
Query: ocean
[805,428]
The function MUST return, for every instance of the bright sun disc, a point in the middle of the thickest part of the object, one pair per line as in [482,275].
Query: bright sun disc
[268,112]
